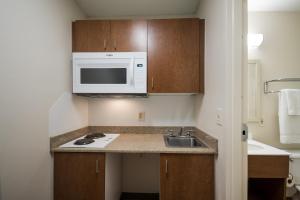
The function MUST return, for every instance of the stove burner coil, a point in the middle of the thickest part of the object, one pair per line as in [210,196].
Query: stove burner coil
[84,141]
[95,136]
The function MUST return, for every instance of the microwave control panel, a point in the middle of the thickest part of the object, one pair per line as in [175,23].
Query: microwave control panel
[140,73]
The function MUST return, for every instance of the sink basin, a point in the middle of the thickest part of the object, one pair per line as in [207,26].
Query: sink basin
[258,148]
[254,147]
[186,141]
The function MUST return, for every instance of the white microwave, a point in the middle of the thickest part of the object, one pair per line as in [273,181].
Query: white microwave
[110,73]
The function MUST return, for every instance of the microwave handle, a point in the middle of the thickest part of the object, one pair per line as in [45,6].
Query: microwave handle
[132,77]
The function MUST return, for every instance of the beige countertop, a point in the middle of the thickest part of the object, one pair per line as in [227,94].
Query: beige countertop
[140,143]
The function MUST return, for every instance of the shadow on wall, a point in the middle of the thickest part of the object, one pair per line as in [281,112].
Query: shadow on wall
[68,113]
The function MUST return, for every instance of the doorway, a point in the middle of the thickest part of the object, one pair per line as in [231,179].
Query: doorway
[273,65]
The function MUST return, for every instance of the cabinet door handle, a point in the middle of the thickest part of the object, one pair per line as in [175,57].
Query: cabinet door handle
[115,44]
[104,44]
[166,170]
[97,166]
[152,83]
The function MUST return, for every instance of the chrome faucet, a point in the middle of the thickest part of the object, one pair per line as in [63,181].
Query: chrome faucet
[181,130]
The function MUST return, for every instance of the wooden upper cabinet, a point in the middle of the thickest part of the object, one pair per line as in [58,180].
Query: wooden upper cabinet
[91,35]
[79,176]
[112,35]
[176,55]
[128,35]
[186,177]
[175,48]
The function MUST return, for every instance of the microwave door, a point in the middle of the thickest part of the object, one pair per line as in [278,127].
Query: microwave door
[98,76]
[104,76]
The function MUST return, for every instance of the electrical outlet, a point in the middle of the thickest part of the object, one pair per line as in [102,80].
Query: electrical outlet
[219,117]
[141,116]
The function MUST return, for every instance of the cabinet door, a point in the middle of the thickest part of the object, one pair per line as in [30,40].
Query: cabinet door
[79,176]
[186,177]
[174,55]
[91,35]
[128,35]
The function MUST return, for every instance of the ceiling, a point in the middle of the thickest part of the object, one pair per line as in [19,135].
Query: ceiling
[125,8]
[274,5]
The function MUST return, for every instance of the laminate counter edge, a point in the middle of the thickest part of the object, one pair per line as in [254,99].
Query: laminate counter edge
[135,139]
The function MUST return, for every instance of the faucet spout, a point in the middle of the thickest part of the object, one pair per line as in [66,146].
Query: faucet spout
[181,130]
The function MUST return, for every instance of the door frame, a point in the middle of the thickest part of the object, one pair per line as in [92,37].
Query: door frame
[236,55]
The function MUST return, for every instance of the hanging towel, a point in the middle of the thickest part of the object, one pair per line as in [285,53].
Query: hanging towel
[289,125]
[293,101]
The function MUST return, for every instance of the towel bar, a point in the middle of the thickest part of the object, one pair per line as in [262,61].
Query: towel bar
[266,84]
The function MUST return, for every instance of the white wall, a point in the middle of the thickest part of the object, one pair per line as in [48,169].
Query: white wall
[69,112]
[279,58]
[214,12]
[159,111]
[35,53]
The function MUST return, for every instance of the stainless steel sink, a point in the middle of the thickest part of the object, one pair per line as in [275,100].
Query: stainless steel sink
[183,141]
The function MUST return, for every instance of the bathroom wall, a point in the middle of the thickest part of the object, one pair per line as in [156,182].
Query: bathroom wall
[35,70]
[279,58]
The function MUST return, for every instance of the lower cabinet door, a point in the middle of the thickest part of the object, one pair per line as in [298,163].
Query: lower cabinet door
[79,176]
[186,177]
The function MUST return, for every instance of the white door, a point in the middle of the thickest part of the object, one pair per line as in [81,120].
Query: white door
[237,164]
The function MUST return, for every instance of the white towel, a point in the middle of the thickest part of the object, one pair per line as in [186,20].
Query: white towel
[289,125]
[293,101]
